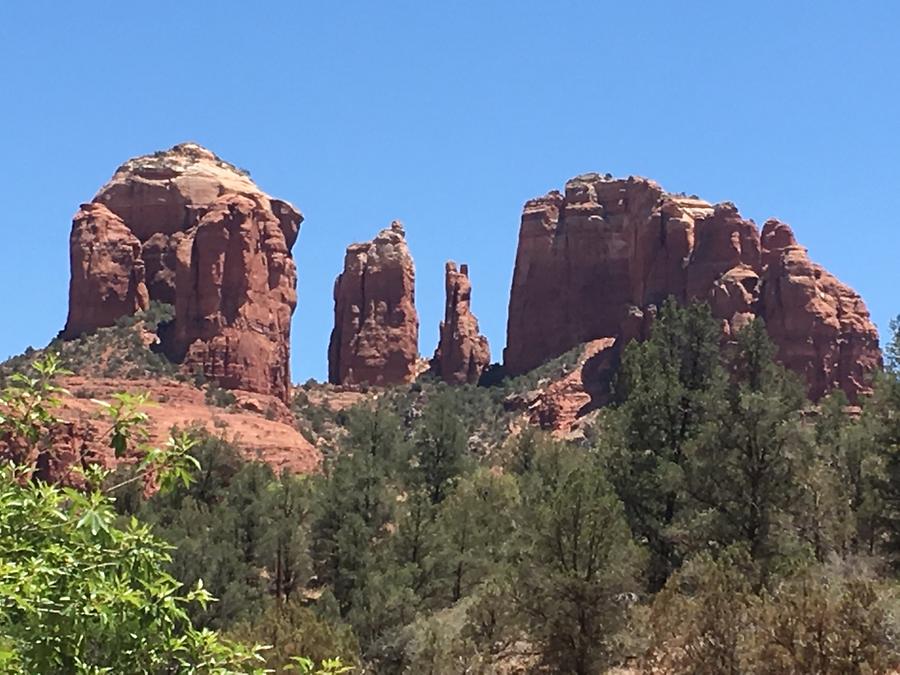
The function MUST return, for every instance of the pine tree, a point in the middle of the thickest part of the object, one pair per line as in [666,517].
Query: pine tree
[475,527]
[440,447]
[284,545]
[667,390]
[579,566]
[745,466]
[352,530]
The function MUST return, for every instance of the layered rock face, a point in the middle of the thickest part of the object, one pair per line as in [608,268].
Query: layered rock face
[462,353]
[376,328]
[186,228]
[589,259]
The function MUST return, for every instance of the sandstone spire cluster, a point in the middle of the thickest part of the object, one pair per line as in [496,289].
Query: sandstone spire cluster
[462,353]
[376,328]
[186,228]
[609,248]
[593,262]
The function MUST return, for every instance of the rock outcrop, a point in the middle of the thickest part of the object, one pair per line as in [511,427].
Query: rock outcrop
[184,227]
[820,326]
[259,425]
[376,328]
[557,406]
[462,353]
[591,258]
[108,276]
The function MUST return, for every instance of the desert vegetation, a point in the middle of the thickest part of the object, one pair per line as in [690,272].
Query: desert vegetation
[713,521]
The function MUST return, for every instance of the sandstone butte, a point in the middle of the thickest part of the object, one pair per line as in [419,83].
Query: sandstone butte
[184,227]
[595,261]
[462,353]
[376,328]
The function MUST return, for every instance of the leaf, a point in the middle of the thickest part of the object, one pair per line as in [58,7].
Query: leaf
[94,521]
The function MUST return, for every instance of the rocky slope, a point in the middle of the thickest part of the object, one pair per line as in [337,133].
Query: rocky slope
[185,228]
[462,353]
[376,327]
[590,259]
[259,425]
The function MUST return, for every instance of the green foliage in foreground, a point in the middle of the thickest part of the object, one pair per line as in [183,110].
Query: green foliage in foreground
[80,595]
[81,592]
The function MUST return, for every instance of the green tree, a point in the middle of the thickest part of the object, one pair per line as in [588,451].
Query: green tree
[667,390]
[892,349]
[475,531]
[440,447]
[290,628]
[357,500]
[578,568]
[842,509]
[709,620]
[700,622]
[226,527]
[819,622]
[79,594]
[881,422]
[357,511]
[284,546]
[745,466]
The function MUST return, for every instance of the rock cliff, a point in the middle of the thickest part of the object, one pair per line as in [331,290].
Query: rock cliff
[184,227]
[462,353]
[376,328]
[591,257]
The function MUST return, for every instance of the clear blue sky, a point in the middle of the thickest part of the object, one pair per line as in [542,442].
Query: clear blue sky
[448,116]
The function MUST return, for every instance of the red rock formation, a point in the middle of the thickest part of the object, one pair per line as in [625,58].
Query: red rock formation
[462,353]
[259,425]
[607,246]
[559,404]
[107,271]
[186,228]
[820,326]
[376,328]
[235,293]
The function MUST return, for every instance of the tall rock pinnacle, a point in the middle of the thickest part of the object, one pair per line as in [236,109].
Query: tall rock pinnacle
[376,328]
[186,228]
[462,353]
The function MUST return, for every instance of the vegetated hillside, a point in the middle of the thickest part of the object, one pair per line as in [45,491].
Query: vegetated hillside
[125,358]
[710,519]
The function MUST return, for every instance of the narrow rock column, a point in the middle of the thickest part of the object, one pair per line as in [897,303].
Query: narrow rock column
[462,353]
